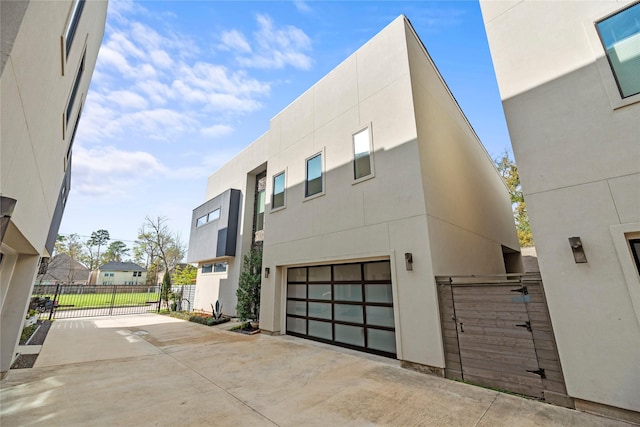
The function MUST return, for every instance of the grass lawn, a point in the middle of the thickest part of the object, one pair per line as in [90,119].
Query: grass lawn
[104,300]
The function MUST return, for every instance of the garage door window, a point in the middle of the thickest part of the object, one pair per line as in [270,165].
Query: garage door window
[350,305]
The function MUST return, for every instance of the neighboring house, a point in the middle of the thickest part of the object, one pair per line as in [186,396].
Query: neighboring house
[362,190]
[569,78]
[64,270]
[119,273]
[48,53]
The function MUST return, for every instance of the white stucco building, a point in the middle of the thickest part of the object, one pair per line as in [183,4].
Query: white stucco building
[569,78]
[361,191]
[49,50]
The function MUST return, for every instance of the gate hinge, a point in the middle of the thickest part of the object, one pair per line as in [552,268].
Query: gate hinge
[538,372]
[523,290]
[526,324]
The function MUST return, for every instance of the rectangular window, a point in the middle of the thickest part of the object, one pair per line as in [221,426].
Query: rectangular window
[313,183]
[260,210]
[361,154]
[213,215]
[635,249]
[278,191]
[72,25]
[201,221]
[620,36]
[207,268]
[76,86]
[219,267]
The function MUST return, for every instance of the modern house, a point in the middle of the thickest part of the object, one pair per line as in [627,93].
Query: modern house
[569,78]
[119,273]
[48,53]
[361,191]
[63,269]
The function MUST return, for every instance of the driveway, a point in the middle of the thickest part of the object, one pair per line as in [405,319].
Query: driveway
[151,370]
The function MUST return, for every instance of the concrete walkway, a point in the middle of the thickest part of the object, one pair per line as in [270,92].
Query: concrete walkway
[151,370]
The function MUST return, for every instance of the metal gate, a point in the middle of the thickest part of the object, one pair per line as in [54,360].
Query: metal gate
[497,333]
[70,301]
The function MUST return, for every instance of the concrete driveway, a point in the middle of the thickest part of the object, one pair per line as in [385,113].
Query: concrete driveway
[141,370]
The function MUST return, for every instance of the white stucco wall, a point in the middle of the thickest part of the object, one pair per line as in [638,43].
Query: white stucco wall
[36,84]
[577,146]
[389,214]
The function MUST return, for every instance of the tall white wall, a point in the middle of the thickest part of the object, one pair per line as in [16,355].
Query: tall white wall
[36,83]
[577,146]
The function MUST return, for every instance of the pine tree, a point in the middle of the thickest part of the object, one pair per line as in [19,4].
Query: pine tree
[248,292]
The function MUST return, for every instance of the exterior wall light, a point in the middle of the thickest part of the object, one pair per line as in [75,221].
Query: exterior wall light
[408,260]
[578,251]
[266,272]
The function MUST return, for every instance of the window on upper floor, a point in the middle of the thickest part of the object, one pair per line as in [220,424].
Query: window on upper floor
[314,182]
[76,86]
[207,268]
[362,160]
[635,250]
[72,25]
[211,216]
[620,36]
[219,267]
[277,200]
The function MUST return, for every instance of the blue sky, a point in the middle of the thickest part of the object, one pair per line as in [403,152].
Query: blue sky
[180,87]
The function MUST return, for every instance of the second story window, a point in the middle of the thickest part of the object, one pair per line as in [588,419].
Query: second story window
[313,184]
[620,35]
[76,86]
[362,154]
[72,25]
[278,191]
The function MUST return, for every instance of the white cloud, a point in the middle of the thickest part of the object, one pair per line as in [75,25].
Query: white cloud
[234,40]
[276,47]
[127,99]
[302,6]
[216,131]
[109,171]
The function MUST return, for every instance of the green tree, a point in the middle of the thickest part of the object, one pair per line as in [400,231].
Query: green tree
[96,241]
[185,276]
[248,292]
[116,251]
[509,172]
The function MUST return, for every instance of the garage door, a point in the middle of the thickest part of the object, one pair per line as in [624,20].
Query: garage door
[350,305]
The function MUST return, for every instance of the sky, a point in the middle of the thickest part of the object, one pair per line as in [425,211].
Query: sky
[180,87]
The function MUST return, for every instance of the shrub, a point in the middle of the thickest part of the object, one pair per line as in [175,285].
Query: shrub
[209,321]
[248,292]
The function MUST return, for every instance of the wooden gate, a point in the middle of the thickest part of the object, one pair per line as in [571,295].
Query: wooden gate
[497,333]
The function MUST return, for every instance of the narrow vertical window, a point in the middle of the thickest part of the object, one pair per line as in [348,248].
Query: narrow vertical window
[278,191]
[260,211]
[72,25]
[361,154]
[620,36]
[635,250]
[76,86]
[313,183]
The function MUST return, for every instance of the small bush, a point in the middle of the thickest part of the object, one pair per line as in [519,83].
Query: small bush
[209,321]
[27,332]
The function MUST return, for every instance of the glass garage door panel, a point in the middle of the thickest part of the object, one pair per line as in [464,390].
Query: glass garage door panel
[349,305]
[320,330]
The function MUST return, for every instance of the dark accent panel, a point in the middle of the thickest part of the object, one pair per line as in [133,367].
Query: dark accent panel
[216,236]
[57,214]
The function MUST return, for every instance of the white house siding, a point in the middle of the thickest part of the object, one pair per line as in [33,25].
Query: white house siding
[36,83]
[383,217]
[577,146]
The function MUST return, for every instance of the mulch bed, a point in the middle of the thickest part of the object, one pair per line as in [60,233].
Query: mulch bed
[247,330]
[28,360]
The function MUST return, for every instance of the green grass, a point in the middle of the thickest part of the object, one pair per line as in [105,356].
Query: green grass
[72,301]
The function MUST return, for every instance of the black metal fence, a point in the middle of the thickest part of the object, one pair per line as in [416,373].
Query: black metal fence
[66,301]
